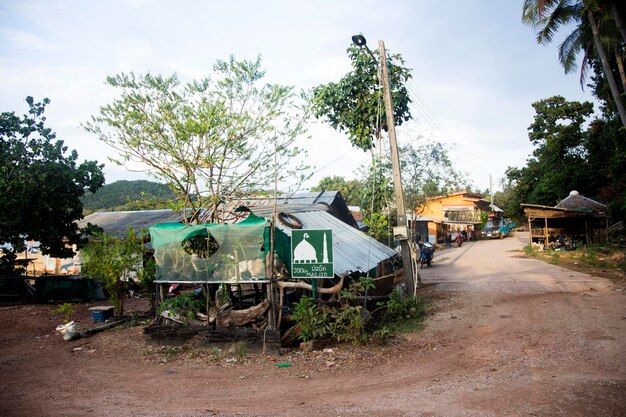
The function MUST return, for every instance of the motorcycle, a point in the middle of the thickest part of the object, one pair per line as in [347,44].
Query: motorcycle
[427,250]
[563,244]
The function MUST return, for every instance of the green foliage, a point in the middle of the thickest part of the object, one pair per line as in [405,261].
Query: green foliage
[555,258]
[401,307]
[571,154]
[116,263]
[41,183]
[376,198]
[7,264]
[210,140]
[350,190]
[146,278]
[530,251]
[597,35]
[347,323]
[129,195]
[342,321]
[184,305]
[313,320]
[353,104]
[427,171]
[65,310]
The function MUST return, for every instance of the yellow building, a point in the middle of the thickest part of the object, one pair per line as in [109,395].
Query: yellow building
[452,213]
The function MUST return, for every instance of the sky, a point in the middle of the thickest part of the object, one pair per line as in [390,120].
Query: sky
[476,68]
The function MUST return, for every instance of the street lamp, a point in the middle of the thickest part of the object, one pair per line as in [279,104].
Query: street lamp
[360,41]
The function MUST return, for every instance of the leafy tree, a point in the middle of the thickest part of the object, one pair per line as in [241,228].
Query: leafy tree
[569,156]
[117,263]
[40,183]
[209,140]
[559,161]
[427,170]
[351,190]
[598,24]
[376,200]
[353,104]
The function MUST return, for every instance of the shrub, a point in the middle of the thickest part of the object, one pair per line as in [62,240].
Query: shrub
[65,310]
[184,305]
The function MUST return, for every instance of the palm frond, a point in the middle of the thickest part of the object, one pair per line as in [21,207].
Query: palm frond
[584,66]
[570,48]
[563,14]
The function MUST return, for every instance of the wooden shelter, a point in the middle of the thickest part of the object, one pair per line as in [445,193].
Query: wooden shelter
[577,217]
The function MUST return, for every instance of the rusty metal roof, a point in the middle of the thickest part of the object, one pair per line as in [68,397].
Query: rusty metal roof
[353,249]
[116,222]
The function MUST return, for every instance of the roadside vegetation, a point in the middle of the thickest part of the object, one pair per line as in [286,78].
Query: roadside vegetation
[605,261]
[349,320]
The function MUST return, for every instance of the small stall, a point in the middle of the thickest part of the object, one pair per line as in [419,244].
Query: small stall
[576,218]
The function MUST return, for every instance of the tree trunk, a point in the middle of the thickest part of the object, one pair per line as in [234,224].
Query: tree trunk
[620,67]
[607,68]
[619,21]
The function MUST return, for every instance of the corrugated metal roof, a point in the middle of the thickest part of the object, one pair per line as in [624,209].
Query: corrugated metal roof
[303,198]
[353,250]
[117,222]
[268,210]
[576,201]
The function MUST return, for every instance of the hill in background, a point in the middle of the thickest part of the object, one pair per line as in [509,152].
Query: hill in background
[128,195]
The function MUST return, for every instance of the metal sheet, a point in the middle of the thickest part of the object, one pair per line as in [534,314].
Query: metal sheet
[353,249]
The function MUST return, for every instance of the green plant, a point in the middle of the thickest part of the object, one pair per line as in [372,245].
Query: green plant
[590,257]
[184,305]
[116,262]
[66,310]
[41,183]
[342,321]
[382,333]
[554,258]
[401,306]
[240,350]
[346,324]
[530,250]
[146,278]
[313,320]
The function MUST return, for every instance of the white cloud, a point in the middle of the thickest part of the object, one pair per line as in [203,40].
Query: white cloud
[20,39]
[477,68]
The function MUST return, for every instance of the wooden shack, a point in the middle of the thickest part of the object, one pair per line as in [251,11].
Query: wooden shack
[575,217]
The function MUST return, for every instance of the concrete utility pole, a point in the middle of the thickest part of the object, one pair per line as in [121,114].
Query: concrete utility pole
[395,167]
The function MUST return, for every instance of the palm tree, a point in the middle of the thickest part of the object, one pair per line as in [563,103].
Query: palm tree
[548,16]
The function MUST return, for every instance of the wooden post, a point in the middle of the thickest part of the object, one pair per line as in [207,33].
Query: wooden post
[530,232]
[409,282]
[545,233]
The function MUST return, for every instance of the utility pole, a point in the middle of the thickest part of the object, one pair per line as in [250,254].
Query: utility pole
[395,167]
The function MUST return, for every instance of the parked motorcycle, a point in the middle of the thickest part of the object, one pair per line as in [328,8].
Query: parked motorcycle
[563,244]
[427,250]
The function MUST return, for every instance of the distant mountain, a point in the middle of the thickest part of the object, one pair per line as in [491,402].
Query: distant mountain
[128,195]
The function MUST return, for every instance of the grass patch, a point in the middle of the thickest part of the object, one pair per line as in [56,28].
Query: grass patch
[605,261]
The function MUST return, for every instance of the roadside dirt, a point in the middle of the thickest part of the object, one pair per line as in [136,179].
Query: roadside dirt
[549,342]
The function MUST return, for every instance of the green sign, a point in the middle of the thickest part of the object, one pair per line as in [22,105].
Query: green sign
[312,253]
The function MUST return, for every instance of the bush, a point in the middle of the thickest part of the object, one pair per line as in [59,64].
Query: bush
[345,322]
[184,305]
[341,320]
[401,307]
[66,310]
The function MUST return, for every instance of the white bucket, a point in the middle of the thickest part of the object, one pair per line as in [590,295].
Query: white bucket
[68,330]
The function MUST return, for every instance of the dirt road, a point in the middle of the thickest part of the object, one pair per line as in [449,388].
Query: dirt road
[509,336]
